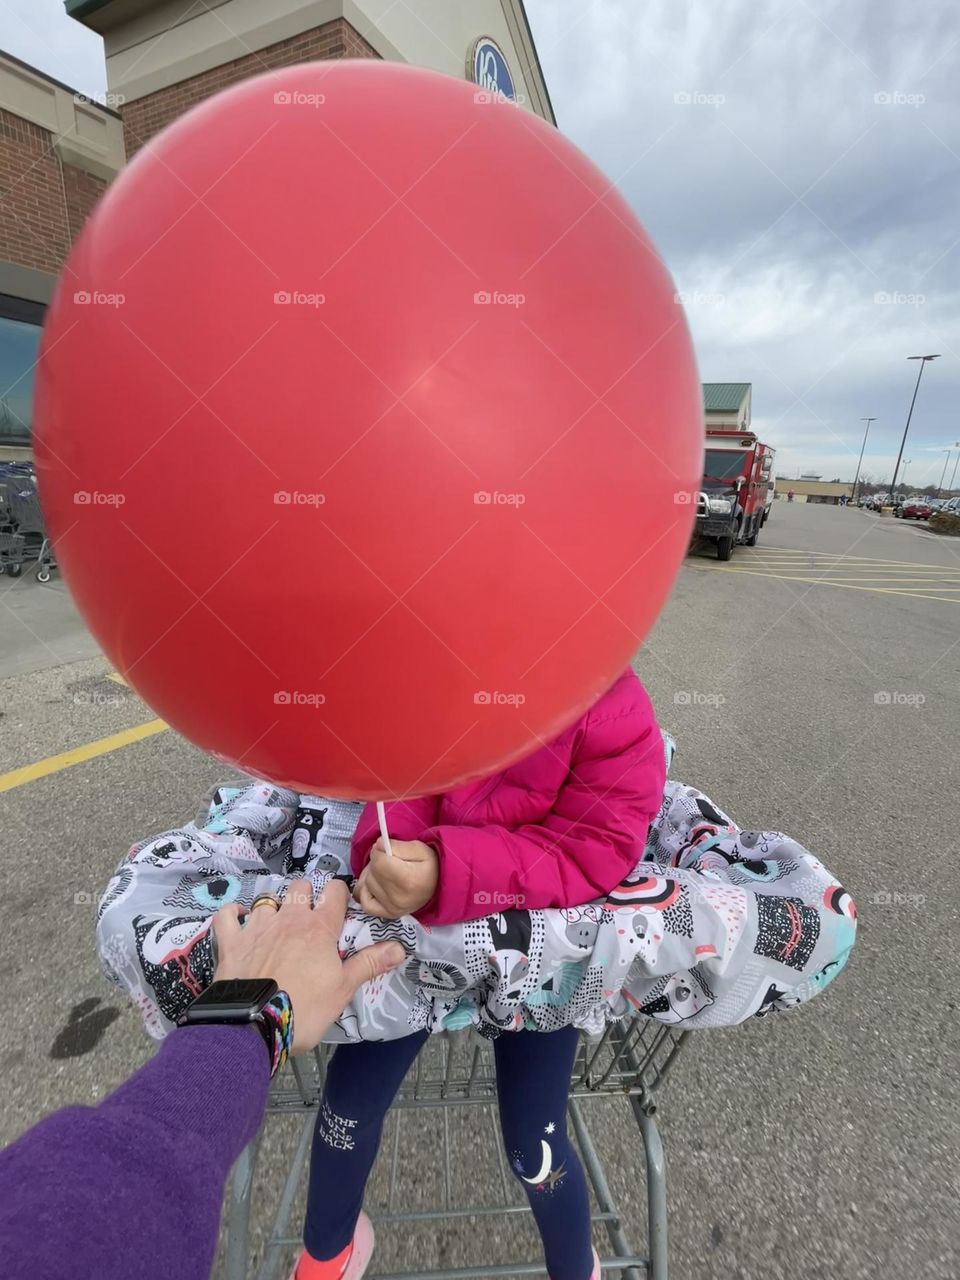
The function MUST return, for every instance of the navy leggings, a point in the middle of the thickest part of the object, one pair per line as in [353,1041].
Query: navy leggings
[533,1082]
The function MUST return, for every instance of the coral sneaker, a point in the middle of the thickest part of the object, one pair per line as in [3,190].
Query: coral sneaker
[355,1266]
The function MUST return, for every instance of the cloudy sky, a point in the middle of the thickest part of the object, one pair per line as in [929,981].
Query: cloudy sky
[798,164]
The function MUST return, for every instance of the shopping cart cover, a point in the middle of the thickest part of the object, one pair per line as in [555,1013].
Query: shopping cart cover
[714,926]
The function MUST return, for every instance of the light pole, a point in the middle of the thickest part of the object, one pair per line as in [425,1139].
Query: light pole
[946,463]
[860,461]
[955,461]
[903,473]
[923,360]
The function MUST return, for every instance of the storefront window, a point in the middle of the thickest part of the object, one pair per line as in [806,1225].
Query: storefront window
[19,338]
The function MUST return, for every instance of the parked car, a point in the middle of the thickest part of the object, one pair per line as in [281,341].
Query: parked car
[914,509]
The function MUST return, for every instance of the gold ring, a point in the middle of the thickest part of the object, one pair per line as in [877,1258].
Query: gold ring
[263,900]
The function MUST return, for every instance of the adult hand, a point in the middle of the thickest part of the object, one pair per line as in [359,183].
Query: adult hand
[396,886]
[297,947]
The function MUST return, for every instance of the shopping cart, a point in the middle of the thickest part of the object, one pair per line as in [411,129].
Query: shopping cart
[20,516]
[11,550]
[454,1073]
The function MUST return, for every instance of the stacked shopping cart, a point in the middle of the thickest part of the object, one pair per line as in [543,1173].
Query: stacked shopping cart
[23,537]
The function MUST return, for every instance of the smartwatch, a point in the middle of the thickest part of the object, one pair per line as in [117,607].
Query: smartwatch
[255,1001]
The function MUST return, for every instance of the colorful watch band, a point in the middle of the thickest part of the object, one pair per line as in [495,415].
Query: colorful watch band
[276,1023]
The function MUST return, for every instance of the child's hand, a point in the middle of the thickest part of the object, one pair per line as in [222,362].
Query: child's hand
[396,886]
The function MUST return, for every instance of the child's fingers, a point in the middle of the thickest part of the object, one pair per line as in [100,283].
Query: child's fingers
[370,902]
[378,889]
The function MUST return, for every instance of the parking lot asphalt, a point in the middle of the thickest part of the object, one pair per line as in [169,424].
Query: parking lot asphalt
[812,684]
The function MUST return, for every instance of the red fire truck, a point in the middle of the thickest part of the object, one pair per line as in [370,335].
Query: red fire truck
[737,478]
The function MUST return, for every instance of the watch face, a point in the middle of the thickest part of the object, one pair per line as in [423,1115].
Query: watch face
[232,1000]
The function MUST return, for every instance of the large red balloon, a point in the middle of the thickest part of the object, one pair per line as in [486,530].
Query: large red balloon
[362,413]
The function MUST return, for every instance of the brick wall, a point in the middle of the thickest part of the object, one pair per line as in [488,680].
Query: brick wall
[147,116]
[82,191]
[43,202]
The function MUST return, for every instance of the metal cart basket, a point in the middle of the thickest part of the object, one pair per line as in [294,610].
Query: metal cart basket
[23,536]
[443,1118]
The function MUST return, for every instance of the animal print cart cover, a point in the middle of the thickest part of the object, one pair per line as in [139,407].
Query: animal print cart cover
[714,926]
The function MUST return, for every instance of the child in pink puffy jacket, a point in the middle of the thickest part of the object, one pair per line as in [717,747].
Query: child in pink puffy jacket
[559,828]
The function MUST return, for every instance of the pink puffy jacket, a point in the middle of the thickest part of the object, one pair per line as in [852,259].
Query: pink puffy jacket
[557,829]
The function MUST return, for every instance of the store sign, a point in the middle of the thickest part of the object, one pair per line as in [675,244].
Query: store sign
[490,70]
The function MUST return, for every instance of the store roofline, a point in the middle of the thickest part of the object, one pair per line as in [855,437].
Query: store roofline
[60,84]
[536,55]
[80,8]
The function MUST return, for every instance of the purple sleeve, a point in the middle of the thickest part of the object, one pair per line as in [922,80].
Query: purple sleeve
[134,1186]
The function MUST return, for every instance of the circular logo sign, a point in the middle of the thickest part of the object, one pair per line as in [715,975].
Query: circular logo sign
[490,70]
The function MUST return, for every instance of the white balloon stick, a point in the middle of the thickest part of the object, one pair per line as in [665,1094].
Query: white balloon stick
[384,833]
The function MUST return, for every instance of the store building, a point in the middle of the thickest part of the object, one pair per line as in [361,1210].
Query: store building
[58,151]
[814,490]
[728,404]
[163,56]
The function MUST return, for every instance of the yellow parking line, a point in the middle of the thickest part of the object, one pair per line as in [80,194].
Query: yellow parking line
[823,582]
[829,555]
[853,561]
[843,577]
[791,566]
[848,562]
[77,755]
[747,555]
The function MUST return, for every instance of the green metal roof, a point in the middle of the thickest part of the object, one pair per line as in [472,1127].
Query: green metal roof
[724,397]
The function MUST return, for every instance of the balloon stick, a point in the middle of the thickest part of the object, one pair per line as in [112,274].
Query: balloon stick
[384,833]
